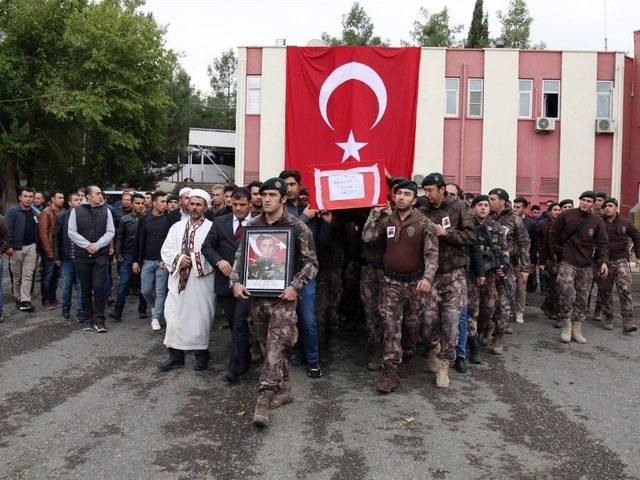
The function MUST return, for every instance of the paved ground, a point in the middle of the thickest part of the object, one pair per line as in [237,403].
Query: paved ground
[82,405]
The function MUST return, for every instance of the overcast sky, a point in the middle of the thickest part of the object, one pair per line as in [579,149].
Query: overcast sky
[201,29]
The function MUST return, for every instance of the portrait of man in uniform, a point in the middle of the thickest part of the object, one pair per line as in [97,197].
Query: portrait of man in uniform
[266,267]
[268,260]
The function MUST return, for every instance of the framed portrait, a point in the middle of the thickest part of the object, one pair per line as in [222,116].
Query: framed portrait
[268,260]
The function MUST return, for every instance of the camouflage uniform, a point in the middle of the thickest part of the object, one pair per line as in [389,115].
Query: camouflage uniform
[483,300]
[399,300]
[573,289]
[448,295]
[518,245]
[621,233]
[274,320]
[620,273]
[370,285]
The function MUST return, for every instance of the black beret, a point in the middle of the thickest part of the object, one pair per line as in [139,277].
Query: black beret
[565,201]
[553,204]
[275,183]
[407,185]
[500,192]
[436,179]
[602,195]
[588,194]
[172,197]
[394,181]
[611,200]
[479,198]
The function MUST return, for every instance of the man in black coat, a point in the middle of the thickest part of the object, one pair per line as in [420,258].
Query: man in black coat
[219,249]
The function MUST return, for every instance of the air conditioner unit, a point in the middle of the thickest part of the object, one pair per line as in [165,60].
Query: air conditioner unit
[605,125]
[545,124]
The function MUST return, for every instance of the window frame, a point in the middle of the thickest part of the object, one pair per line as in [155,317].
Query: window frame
[250,88]
[469,91]
[446,96]
[608,94]
[526,92]
[542,97]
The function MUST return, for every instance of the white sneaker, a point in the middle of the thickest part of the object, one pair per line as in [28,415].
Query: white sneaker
[155,325]
[519,318]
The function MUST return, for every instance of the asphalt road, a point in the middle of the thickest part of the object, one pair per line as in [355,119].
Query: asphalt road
[82,405]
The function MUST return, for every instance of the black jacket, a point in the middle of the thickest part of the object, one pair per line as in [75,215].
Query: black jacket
[61,243]
[139,254]
[126,244]
[221,244]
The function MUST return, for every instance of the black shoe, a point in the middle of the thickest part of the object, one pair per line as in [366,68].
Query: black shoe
[66,313]
[200,366]
[474,350]
[100,328]
[26,307]
[170,364]
[460,365]
[143,316]
[231,378]
[115,317]
[18,302]
[313,370]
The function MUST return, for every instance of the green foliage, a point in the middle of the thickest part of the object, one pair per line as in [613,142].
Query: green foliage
[88,92]
[220,106]
[435,30]
[516,25]
[357,29]
[478,36]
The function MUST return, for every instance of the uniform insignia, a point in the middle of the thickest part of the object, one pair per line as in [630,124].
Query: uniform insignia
[278,184]
[624,230]
[391,232]
[446,223]
[591,232]
[504,230]
[411,231]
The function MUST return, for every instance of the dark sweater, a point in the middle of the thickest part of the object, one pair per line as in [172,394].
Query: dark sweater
[578,250]
[152,231]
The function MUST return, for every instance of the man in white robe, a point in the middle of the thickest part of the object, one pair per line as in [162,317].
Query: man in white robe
[189,307]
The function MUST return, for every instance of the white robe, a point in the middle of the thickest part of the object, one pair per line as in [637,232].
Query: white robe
[188,313]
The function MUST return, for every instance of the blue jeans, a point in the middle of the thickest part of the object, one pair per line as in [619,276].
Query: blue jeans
[69,279]
[126,278]
[461,348]
[49,280]
[154,286]
[306,310]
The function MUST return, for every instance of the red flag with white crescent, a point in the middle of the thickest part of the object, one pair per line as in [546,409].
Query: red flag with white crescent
[351,104]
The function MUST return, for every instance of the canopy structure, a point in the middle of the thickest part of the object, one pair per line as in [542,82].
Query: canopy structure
[211,156]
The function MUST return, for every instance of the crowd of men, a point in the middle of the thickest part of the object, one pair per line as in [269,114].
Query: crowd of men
[446,269]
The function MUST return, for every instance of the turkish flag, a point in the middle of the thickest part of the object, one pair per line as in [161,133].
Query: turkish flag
[351,104]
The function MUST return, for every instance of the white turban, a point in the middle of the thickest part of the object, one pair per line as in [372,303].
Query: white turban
[184,190]
[198,192]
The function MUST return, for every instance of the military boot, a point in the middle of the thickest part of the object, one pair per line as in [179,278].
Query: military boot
[442,374]
[432,358]
[284,396]
[497,347]
[628,326]
[565,334]
[487,336]
[390,380]
[474,350]
[597,314]
[375,362]
[261,415]
[607,324]
[576,333]
[405,367]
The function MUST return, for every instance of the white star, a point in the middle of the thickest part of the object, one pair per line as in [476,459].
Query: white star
[351,148]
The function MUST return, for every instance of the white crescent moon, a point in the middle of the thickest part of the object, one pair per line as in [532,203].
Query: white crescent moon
[353,71]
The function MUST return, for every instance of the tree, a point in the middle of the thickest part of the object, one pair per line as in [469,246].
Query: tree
[436,30]
[478,36]
[83,96]
[357,29]
[220,106]
[516,25]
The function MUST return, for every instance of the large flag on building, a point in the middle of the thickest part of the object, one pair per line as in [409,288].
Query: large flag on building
[351,104]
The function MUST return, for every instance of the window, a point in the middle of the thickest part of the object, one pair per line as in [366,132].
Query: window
[254,89]
[551,98]
[474,100]
[604,91]
[452,86]
[525,98]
